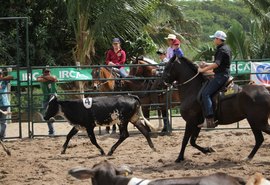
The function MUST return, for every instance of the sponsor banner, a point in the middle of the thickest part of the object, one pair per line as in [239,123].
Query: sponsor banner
[262,70]
[240,67]
[62,74]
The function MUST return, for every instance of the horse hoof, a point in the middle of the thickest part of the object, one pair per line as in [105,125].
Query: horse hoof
[110,153]
[63,152]
[9,153]
[179,160]
[154,149]
[210,150]
[247,159]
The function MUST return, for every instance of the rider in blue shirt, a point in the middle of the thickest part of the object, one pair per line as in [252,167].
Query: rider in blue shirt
[176,48]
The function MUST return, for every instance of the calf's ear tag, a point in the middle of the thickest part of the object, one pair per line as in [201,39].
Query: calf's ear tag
[87,102]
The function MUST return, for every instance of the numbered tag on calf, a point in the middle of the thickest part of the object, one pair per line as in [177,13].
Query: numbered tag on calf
[87,102]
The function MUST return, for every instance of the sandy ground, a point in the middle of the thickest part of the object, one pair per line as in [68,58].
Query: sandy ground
[38,160]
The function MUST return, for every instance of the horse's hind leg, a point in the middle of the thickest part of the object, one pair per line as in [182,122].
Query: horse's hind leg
[193,143]
[259,140]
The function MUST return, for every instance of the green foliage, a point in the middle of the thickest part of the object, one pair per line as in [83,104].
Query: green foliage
[260,28]
[205,53]
[237,40]
[143,45]
[141,25]
[216,15]
[101,20]
[49,34]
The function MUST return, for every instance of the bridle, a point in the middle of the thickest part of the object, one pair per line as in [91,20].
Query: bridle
[98,75]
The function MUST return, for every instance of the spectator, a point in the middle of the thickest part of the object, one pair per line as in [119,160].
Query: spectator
[48,86]
[170,39]
[157,85]
[163,60]
[176,48]
[4,103]
[117,57]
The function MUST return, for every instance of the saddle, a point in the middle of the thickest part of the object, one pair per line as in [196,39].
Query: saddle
[227,91]
[116,72]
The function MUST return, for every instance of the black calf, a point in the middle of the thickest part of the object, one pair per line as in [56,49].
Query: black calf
[100,111]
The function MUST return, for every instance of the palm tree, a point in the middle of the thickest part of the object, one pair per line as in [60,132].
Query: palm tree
[102,20]
[169,18]
[260,27]
[237,40]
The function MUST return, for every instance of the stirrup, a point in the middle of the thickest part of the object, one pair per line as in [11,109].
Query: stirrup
[208,123]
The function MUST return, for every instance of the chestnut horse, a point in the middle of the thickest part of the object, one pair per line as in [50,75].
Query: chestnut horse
[99,75]
[100,83]
[251,102]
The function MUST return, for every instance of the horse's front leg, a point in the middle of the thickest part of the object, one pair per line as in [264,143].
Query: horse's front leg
[187,135]
[193,143]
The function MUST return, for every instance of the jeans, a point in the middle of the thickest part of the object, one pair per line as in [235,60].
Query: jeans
[211,88]
[123,72]
[50,124]
[3,123]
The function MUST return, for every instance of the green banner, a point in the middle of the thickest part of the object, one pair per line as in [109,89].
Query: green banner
[75,74]
[62,75]
[240,67]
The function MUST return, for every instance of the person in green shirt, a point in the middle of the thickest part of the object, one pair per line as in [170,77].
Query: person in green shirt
[48,86]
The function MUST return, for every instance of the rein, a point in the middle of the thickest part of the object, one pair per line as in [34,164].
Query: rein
[189,80]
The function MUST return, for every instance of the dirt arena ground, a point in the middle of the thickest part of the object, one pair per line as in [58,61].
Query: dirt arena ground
[38,161]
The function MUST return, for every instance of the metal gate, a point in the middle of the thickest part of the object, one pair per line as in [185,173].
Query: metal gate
[16,93]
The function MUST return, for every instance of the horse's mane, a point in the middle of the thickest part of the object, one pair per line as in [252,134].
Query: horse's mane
[146,60]
[191,65]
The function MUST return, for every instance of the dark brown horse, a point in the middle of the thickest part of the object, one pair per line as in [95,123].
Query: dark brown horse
[145,70]
[252,103]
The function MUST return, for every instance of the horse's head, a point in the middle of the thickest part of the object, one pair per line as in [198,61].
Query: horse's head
[179,69]
[95,75]
[169,73]
[135,70]
[100,76]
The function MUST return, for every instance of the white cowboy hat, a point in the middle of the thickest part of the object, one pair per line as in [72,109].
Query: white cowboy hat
[170,36]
